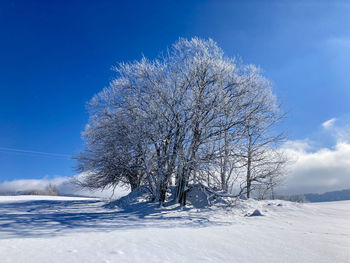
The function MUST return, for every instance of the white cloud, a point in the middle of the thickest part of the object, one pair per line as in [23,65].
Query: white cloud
[329,124]
[326,169]
[64,185]
[338,128]
[298,145]
[322,169]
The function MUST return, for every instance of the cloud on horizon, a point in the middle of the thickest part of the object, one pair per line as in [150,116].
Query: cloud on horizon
[318,170]
[64,185]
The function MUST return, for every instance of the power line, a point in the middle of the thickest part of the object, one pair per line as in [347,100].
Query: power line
[30,152]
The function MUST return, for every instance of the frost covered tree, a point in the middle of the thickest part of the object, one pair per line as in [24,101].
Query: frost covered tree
[261,158]
[178,119]
[107,161]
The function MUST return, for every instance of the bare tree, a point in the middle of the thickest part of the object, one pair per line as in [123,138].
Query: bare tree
[109,161]
[180,117]
[262,160]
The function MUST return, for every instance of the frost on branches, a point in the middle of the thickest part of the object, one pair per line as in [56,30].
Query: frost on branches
[190,117]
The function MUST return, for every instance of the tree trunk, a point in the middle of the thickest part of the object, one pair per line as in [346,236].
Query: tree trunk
[249,164]
[133,181]
[163,190]
[224,183]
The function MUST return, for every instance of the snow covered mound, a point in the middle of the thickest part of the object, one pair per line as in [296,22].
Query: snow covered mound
[255,213]
[136,197]
[199,197]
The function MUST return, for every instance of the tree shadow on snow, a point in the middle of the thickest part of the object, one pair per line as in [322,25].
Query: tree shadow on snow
[50,218]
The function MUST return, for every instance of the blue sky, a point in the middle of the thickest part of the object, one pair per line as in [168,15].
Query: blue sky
[54,55]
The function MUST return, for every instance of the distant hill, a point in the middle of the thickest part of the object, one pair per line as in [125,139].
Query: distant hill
[329,196]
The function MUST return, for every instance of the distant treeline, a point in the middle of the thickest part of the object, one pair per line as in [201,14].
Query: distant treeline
[325,197]
[329,196]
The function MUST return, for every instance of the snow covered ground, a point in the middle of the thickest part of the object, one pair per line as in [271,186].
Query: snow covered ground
[65,229]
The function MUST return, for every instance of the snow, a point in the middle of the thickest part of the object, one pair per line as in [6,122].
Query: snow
[66,229]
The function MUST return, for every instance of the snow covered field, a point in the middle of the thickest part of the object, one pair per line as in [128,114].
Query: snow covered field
[64,229]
